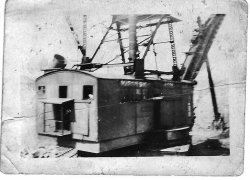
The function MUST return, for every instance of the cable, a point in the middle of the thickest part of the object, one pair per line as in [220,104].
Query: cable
[155,54]
[110,37]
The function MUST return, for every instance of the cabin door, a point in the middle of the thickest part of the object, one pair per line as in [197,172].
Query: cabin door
[82,116]
[63,112]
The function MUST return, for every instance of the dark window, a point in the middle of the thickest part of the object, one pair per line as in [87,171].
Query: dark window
[41,91]
[63,91]
[87,92]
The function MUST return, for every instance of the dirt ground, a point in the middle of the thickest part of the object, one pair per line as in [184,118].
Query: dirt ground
[214,146]
[204,143]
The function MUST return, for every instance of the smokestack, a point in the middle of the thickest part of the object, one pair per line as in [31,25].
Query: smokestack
[138,63]
[132,38]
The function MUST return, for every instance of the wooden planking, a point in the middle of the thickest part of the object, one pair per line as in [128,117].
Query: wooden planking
[81,125]
[75,91]
[97,147]
[39,117]
[122,142]
[88,146]
[144,116]
[166,114]
[173,113]
[117,122]
[116,119]
[179,115]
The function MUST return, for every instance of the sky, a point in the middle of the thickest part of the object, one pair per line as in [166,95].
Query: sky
[50,33]
[36,30]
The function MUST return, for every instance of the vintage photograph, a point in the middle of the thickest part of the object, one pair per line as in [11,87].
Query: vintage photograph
[97,83]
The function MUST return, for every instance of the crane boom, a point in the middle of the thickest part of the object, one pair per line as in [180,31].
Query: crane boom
[197,55]
[82,47]
[201,44]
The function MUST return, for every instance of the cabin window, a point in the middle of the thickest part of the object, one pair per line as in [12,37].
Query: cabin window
[63,91]
[41,91]
[87,92]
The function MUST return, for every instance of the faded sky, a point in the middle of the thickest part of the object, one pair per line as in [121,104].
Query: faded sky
[36,30]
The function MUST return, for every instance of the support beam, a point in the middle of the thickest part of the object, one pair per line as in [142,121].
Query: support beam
[152,37]
[44,124]
[145,26]
[62,119]
[99,46]
[120,41]
[218,122]
[212,91]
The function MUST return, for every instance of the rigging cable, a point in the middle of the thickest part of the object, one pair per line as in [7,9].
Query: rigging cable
[155,53]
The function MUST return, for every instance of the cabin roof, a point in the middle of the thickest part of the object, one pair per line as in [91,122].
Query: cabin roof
[123,19]
[93,74]
[111,76]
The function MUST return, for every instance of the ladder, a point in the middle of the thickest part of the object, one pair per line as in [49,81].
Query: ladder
[176,72]
[171,35]
[84,36]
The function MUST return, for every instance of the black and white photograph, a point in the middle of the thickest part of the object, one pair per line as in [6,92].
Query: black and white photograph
[124,87]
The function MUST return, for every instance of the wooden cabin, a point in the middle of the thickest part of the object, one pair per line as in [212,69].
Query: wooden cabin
[102,112]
